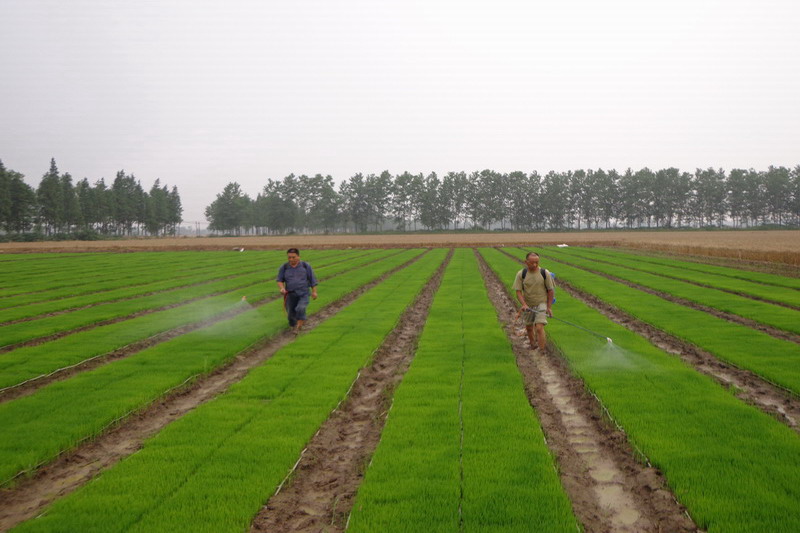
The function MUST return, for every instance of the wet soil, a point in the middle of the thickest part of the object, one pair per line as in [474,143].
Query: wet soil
[321,490]
[610,487]
[30,494]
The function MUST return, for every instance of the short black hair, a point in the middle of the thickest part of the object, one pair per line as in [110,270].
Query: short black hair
[530,254]
[293,251]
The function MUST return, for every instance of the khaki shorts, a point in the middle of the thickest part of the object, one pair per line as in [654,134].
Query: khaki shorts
[537,315]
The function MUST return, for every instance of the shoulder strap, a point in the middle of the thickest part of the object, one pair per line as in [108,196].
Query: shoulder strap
[544,273]
[524,272]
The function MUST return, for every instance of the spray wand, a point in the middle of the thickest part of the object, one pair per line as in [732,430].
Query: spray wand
[608,339]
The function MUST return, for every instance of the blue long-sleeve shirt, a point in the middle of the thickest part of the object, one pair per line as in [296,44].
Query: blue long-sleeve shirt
[297,279]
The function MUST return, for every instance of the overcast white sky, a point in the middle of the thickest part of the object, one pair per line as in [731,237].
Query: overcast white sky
[201,92]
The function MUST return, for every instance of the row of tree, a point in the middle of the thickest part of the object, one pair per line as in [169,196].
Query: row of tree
[516,201]
[59,207]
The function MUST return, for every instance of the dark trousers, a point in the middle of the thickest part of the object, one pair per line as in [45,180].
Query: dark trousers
[296,307]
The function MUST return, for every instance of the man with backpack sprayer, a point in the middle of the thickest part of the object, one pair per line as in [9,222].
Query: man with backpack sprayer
[535,290]
[294,279]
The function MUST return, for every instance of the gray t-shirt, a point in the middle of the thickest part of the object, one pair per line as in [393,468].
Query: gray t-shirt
[535,287]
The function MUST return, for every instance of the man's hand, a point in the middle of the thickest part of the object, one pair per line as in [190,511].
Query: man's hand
[314,294]
[549,312]
[283,291]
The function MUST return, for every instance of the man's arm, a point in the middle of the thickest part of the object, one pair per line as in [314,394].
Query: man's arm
[281,279]
[517,286]
[521,298]
[550,295]
[313,281]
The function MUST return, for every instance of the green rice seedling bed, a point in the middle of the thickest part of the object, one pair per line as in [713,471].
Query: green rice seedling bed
[43,305]
[143,268]
[19,258]
[114,270]
[734,467]
[30,264]
[102,281]
[762,312]
[58,416]
[773,359]
[98,283]
[462,450]
[209,275]
[213,469]
[24,331]
[761,278]
[26,363]
[677,270]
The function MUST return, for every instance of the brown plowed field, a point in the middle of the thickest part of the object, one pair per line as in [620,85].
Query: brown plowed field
[774,246]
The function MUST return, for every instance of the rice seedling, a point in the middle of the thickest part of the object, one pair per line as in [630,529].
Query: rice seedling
[213,469]
[773,359]
[734,467]
[38,427]
[462,449]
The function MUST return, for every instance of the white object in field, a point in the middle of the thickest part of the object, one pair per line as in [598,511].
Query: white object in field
[562,245]
[609,340]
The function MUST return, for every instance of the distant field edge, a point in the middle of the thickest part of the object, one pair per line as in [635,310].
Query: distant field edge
[777,246]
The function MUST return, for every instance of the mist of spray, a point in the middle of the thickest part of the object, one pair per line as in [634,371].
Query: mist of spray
[611,356]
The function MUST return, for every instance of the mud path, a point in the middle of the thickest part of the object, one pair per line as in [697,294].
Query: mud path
[748,386]
[730,317]
[73,469]
[610,489]
[322,488]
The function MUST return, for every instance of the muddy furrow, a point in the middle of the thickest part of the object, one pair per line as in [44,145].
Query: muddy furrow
[610,488]
[322,488]
[71,470]
[748,386]
[730,317]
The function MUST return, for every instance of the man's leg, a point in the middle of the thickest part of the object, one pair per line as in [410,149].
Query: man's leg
[300,312]
[540,337]
[529,331]
[291,303]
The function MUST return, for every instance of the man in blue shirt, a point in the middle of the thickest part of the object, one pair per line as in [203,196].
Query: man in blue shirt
[294,279]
